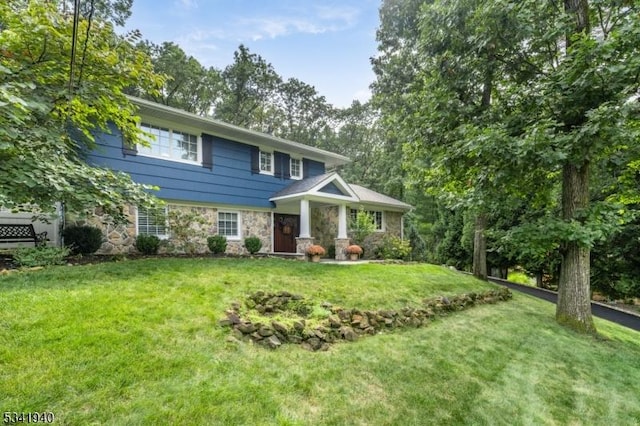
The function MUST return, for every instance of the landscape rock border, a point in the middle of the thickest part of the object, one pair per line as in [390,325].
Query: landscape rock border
[342,324]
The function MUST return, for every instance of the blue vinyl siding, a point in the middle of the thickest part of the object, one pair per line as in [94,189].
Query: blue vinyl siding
[314,168]
[229,182]
[331,188]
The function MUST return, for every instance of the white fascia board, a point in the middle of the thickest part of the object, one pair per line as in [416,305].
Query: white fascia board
[368,205]
[236,133]
[315,193]
[315,196]
[340,183]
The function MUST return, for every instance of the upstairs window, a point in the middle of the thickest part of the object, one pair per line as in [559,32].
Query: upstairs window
[171,144]
[375,215]
[266,162]
[152,222]
[295,168]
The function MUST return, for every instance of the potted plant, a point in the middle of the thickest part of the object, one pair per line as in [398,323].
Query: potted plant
[314,252]
[354,251]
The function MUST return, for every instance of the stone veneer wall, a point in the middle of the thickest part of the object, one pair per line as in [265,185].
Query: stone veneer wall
[254,224]
[121,238]
[116,238]
[393,227]
[324,227]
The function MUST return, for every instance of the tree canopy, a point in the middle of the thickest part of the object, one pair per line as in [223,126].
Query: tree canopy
[512,99]
[42,106]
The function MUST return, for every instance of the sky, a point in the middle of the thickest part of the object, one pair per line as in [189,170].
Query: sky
[324,43]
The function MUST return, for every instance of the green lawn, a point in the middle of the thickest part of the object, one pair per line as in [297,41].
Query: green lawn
[137,342]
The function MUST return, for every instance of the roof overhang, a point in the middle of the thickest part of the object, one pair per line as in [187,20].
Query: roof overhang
[236,133]
[315,193]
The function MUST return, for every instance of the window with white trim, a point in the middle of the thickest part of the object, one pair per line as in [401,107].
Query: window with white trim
[266,162]
[171,144]
[295,168]
[152,222]
[229,225]
[376,216]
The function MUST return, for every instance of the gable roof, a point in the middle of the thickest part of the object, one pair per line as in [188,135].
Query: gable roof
[313,188]
[236,133]
[368,196]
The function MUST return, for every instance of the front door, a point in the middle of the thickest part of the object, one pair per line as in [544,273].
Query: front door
[286,229]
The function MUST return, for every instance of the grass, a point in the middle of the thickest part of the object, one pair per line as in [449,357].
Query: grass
[138,343]
[521,278]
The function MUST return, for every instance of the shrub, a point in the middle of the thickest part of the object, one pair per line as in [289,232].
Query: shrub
[331,251]
[363,226]
[217,244]
[185,227]
[82,239]
[393,248]
[253,244]
[147,244]
[40,256]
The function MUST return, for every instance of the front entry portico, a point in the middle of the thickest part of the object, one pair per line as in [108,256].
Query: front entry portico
[318,192]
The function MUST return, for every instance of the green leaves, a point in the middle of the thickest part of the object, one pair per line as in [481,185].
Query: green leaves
[40,164]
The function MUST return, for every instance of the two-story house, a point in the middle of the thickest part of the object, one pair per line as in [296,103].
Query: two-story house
[244,183]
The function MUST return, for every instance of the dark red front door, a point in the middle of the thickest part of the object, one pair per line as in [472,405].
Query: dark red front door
[286,229]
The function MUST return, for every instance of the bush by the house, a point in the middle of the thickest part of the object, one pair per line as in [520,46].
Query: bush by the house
[253,244]
[186,227]
[82,239]
[217,244]
[40,256]
[393,248]
[147,244]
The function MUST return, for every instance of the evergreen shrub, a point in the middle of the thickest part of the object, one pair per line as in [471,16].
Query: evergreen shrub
[83,239]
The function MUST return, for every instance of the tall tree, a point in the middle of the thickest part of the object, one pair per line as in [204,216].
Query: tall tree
[116,11]
[189,85]
[40,163]
[248,86]
[560,101]
[452,108]
[396,67]
[598,73]
[359,138]
[305,114]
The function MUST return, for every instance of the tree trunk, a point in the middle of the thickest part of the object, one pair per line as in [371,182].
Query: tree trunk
[480,248]
[574,296]
[539,282]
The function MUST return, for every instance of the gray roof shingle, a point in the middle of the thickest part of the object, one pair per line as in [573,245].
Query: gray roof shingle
[365,195]
[301,186]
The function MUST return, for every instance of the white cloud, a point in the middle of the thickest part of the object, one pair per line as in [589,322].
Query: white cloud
[346,14]
[186,5]
[274,27]
[315,20]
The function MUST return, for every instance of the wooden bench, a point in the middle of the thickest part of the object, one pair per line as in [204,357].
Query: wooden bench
[21,233]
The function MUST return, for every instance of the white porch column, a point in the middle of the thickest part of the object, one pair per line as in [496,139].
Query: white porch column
[305,219]
[342,221]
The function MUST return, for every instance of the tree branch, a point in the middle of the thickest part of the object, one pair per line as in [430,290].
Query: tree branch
[86,41]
